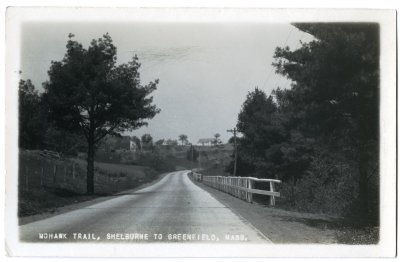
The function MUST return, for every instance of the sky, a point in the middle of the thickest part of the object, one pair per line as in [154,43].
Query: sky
[205,70]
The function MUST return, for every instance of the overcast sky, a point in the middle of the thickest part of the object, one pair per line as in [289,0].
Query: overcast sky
[205,70]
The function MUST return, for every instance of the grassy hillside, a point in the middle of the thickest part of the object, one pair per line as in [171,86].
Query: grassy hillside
[47,182]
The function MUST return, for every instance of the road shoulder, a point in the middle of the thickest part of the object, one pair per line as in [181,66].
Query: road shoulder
[280,226]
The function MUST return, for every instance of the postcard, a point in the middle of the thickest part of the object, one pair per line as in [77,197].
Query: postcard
[200,132]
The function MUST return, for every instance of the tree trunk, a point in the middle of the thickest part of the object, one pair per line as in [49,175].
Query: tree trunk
[90,165]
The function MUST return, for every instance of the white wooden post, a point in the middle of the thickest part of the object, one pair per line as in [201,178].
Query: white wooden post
[242,192]
[239,191]
[247,187]
[250,187]
[272,198]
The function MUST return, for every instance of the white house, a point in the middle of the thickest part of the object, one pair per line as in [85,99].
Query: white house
[205,141]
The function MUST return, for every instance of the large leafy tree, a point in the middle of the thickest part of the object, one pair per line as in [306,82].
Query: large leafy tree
[89,92]
[335,91]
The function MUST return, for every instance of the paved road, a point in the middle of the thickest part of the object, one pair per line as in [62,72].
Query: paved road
[171,210]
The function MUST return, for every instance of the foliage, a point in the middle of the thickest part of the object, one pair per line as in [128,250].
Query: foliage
[137,142]
[171,142]
[321,135]
[147,141]
[261,127]
[184,139]
[192,154]
[336,85]
[89,92]
[156,161]
[64,141]
[160,142]
[217,141]
[32,117]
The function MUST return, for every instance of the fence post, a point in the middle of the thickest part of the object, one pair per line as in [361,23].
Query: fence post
[247,184]
[272,198]
[250,187]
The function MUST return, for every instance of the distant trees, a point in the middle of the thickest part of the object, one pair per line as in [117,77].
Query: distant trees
[88,92]
[184,139]
[160,142]
[217,141]
[147,141]
[321,136]
[171,142]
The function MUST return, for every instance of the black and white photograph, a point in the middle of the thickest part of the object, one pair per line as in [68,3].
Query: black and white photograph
[200,132]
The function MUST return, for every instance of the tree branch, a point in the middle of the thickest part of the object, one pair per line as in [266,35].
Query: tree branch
[97,139]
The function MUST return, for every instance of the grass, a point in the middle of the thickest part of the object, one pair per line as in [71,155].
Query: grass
[46,183]
[112,169]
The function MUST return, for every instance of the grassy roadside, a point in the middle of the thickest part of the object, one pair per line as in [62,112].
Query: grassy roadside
[47,184]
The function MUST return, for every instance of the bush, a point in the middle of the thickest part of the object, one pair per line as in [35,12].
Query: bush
[155,161]
[330,187]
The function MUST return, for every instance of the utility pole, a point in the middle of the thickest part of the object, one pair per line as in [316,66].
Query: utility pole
[235,145]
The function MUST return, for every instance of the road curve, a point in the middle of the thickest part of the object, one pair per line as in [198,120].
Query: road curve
[171,210]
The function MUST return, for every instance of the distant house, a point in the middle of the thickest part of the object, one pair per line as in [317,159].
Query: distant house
[133,146]
[205,142]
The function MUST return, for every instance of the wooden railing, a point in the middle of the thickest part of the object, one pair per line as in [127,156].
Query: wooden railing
[241,187]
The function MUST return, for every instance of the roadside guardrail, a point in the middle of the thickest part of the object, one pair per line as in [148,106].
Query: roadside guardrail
[241,187]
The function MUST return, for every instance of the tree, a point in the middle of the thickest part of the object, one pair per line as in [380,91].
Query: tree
[261,128]
[147,141]
[160,142]
[217,141]
[32,116]
[64,141]
[192,154]
[171,142]
[335,93]
[184,139]
[87,91]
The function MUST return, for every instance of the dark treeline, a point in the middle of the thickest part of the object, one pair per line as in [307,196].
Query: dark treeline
[321,136]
